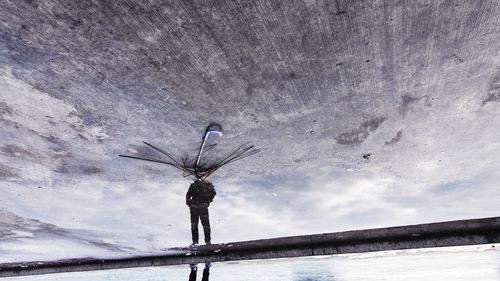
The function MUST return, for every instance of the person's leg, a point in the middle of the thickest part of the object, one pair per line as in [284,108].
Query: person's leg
[195,215]
[192,274]
[206,272]
[206,224]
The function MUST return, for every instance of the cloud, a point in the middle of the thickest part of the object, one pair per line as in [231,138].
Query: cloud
[65,172]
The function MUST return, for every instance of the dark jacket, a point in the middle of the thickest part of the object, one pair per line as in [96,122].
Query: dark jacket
[200,194]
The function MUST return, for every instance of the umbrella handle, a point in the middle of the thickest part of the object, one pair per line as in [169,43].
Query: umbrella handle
[207,134]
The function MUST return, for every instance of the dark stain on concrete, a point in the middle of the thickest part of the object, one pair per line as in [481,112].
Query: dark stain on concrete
[153,171]
[359,135]
[491,98]
[58,146]
[292,75]
[408,100]
[89,118]
[493,91]
[7,173]
[456,58]
[13,150]
[4,109]
[33,3]
[54,140]
[89,170]
[82,137]
[78,169]
[452,58]
[395,139]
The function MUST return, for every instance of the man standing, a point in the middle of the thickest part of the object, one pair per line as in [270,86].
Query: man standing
[198,198]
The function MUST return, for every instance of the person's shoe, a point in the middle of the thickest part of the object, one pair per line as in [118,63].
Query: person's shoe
[193,267]
[208,243]
[193,245]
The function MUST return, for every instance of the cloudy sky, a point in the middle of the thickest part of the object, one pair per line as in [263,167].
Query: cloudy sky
[111,206]
[367,115]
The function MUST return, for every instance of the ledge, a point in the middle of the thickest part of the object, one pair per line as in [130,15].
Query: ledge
[443,234]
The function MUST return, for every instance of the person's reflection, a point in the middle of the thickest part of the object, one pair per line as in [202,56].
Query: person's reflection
[194,269]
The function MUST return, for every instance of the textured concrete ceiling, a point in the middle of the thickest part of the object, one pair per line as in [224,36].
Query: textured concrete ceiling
[369,113]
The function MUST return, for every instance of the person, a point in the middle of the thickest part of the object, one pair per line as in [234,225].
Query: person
[198,198]
[194,269]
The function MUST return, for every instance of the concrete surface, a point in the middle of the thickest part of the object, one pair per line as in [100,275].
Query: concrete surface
[455,233]
[450,263]
[369,114]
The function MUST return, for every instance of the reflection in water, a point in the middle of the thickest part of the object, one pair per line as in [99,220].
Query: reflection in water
[194,270]
[479,262]
[198,198]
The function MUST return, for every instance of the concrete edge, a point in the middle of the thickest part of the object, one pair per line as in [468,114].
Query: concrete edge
[442,234]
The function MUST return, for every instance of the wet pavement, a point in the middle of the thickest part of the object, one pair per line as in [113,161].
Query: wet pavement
[454,263]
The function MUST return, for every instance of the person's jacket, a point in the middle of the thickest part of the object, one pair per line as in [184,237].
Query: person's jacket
[200,194]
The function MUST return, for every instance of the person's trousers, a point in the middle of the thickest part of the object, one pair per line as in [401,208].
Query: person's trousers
[198,214]
[206,274]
